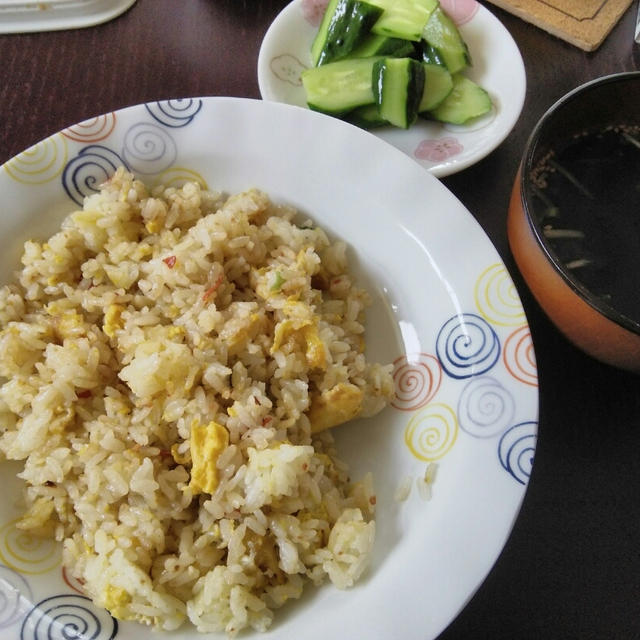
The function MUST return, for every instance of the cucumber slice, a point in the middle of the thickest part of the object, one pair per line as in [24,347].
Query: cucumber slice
[376,45]
[339,87]
[467,100]
[431,55]
[438,84]
[397,88]
[321,37]
[350,22]
[443,35]
[404,19]
[366,117]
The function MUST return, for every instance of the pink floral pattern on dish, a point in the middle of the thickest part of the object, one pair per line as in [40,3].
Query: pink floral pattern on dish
[313,10]
[460,11]
[438,150]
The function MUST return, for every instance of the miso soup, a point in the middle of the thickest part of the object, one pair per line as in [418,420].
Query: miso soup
[587,202]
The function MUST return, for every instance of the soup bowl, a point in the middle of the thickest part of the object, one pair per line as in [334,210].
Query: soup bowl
[574,217]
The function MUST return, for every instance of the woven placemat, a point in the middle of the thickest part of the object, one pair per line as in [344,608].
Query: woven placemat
[583,23]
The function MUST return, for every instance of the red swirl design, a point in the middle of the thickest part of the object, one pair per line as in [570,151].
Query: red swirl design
[92,130]
[76,584]
[417,378]
[519,356]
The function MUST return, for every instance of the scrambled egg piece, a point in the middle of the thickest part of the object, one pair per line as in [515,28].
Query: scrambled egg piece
[112,319]
[208,441]
[153,226]
[335,406]
[238,340]
[67,322]
[123,275]
[116,600]
[315,353]
[70,324]
[301,325]
[180,458]
[307,333]
[175,332]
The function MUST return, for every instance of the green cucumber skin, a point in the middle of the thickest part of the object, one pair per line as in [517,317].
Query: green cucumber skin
[351,21]
[376,45]
[339,87]
[442,34]
[438,84]
[466,101]
[404,19]
[430,55]
[398,85]
[366,117]
[321,36]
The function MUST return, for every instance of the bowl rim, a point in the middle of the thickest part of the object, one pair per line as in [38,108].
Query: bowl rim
[530,148]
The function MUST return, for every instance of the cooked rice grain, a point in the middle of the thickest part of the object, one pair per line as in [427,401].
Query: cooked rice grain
[169,359]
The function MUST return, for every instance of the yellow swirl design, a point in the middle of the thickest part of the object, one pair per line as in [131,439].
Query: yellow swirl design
[178,176]
[432,432]
[26,553]
[496,297]
[40,163]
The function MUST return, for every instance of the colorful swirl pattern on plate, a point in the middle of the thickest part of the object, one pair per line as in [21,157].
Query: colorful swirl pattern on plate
[486,407]
[67,617]
[26,553]
[147,147]
[417,378]
[175,113]
[468,346]
[517,449]
[92,130]
[431,432]
[84,173]
[41,163]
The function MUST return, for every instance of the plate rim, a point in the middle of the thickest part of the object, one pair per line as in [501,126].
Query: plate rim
[434,183]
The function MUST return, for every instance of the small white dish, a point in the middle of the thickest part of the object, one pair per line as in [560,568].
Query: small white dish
[440,148]
[455,330]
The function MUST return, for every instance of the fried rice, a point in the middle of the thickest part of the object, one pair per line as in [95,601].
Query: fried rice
[172,361]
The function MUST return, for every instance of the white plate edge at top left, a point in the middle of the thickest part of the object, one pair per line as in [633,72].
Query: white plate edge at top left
[30,17]
[442,149]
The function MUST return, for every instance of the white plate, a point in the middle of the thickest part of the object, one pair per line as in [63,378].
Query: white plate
[445,311]
[442,149]
[23,16]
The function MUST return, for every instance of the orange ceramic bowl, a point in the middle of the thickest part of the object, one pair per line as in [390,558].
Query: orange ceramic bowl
[589,320]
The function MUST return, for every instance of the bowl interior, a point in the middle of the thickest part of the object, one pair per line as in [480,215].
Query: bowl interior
[580,180]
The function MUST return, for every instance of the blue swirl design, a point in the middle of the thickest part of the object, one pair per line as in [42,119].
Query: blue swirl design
[467,346]
[485,407]
[148,148]
[174,113]
[83,174]
[517,449]
[68,617]
[16,597]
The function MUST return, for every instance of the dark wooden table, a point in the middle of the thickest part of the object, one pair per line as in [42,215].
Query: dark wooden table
[571,568]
